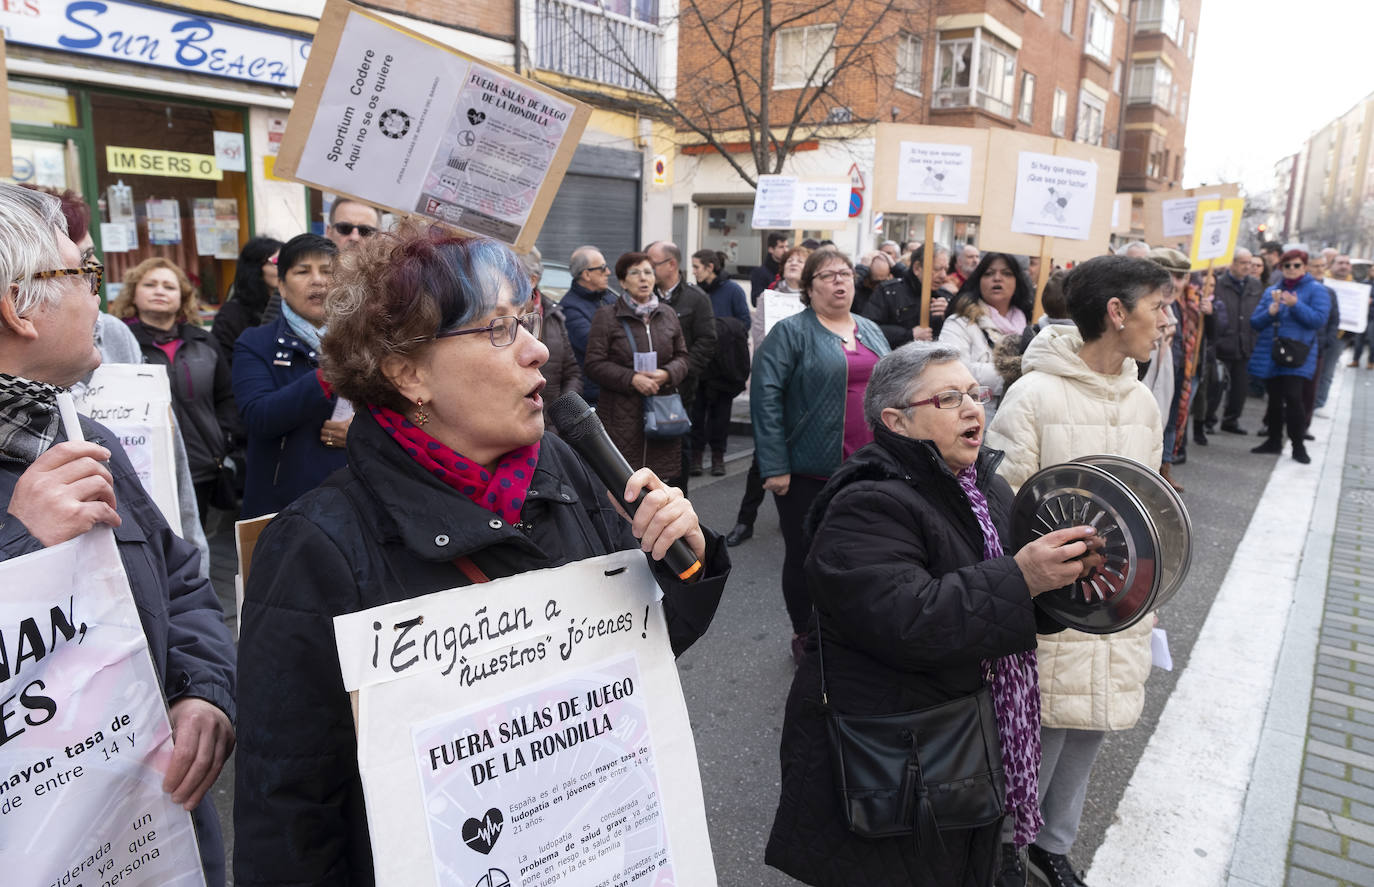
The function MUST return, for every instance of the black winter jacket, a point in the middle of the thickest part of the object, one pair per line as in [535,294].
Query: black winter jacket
[895,306]
[368,536]
[907,607]
[189,644]
[1235,337]
[202,395]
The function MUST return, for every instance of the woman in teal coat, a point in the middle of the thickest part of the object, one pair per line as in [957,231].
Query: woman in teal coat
[806,403]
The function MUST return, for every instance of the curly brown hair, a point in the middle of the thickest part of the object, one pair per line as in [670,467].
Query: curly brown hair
[393,292]
[189,312]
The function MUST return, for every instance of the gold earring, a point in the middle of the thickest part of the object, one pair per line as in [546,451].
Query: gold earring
[421,417]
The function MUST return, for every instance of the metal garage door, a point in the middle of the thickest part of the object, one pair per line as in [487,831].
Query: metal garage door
[598,203]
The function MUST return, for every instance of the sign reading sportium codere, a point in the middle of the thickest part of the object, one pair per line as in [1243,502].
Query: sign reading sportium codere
[393,118]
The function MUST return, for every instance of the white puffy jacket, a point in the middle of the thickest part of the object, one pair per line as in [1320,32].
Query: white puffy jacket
[1058,410]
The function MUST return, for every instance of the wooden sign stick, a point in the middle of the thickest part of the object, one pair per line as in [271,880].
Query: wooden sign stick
[927,268]
[1046,247]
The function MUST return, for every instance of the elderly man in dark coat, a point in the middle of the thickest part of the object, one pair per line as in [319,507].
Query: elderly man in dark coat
[53,489]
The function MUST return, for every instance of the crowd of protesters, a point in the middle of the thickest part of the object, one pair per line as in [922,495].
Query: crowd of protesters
[363,384]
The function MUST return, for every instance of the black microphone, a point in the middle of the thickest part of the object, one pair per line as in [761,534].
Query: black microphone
[581,428]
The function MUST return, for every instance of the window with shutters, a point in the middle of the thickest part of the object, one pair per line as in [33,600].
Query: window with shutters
[804,56]
[1151,83]
[910,57]
[1027,107]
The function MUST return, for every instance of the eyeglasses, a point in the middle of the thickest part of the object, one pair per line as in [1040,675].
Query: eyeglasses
[639,272]
[93,271]
[832,276]
[954,398]
[503,329]
[661,261]
[346,229]
[1292,264]
[599,268]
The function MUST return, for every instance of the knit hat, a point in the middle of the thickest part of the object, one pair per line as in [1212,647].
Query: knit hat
[1170,259]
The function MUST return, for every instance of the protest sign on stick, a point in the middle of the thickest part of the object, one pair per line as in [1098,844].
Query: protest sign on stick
[793,203]
[1121,214]
[941,170]
[1171,216]
[1216,227]
[529,730]
[390,117]
[1062,204]
[134,401]
[84,735]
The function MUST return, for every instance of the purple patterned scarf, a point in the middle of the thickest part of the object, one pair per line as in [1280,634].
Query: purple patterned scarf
[1015,696]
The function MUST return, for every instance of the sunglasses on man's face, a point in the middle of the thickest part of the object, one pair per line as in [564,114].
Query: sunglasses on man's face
[346,229]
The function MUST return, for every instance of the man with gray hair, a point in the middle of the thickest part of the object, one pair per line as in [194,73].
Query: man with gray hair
[1136,249]
[591,280]
[53,489]
[698,320]
[1239,292]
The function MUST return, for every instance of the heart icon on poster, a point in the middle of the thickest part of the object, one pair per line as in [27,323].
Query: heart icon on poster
[481,834]
[475,116]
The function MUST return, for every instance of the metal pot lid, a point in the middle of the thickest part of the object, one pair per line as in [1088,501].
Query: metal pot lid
[1121,591]
[1165,507]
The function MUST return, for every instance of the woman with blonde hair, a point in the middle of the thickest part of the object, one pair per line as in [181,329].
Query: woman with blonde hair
[160,306]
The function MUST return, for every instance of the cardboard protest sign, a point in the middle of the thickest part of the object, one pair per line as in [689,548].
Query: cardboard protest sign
[939,169]
[1061,190]
[529,730]
[134,400]
[1171,216]
[84,735]
[1354,301]
[1216,228]
[390,117]
[790,202]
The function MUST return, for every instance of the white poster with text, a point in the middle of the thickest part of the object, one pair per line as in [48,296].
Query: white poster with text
[411,125]
[934,173]
[84,735]
[1055,196]
[1353,298]
[1180,216]
[791,202]
[1215,234]
[528,732]
[134,401]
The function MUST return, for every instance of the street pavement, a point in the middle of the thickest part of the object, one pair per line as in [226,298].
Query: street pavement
[736,678]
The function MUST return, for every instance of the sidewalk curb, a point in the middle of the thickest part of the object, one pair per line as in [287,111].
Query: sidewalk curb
[1260,855]
[1182,812]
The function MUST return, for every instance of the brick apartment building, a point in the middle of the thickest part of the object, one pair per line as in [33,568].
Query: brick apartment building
[1115,73]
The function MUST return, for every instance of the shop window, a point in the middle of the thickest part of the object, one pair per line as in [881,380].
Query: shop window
[161,192]
[41,104]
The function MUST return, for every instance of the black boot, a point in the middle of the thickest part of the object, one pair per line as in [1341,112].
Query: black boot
[1272,445]
[1199,434]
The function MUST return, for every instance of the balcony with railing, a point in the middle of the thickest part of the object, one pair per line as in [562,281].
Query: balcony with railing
[613,42]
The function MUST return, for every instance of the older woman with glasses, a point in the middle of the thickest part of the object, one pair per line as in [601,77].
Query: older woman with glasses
[433,338]
[1288,315]
[806,402]
[160,307]
[917,603]
[636,350]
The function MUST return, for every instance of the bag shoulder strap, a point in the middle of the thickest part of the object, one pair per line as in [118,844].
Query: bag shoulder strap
[471,570]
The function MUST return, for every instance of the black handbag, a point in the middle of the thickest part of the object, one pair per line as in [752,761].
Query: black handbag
[1289,353]
[918,772]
